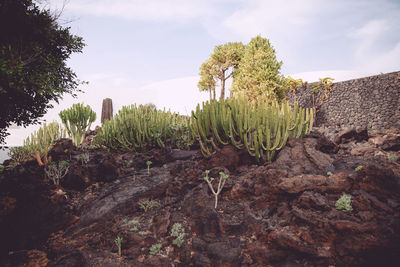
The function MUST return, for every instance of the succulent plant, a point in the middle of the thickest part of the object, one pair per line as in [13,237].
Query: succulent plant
[77,121]
[140,128]
[41,141]
[261,129]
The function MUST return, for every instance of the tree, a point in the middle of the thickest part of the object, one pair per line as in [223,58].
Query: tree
[258,74]
[219,67]
[33,70]
[207,82]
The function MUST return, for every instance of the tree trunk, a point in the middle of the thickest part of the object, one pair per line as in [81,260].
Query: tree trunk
[107,110]
[222,86]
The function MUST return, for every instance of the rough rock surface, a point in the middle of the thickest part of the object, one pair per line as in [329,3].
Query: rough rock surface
[277,214]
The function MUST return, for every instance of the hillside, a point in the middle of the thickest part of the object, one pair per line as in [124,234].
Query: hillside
[278,214]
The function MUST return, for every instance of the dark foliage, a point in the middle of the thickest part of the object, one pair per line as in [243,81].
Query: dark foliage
[33,71]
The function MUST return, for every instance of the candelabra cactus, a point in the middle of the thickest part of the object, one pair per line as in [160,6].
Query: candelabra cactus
[138,128]
[41,141]
[77,121]
[261,129]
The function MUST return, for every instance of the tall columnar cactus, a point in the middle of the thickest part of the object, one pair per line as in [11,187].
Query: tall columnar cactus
[261,129]
[77,121]
[41,141]
[106,110]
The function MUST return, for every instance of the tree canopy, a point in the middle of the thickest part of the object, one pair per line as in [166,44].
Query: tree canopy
[33,71]
[258,75]
[254,68]
[219,67]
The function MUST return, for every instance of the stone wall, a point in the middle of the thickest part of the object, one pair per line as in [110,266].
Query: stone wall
[372,102]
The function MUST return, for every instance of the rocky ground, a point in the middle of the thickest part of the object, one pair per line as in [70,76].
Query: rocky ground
[277,214]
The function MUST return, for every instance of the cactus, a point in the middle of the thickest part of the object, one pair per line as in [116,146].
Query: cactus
[140,128]
[261,129]
[77,121]
[106,110]
[41,141]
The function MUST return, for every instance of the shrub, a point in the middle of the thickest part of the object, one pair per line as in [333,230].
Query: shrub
[344,203]
[155,249]
[393,157]
[1,171]
[85,158]
[142,233]
[19,154]
[147,204]
[179,232]
[57,171]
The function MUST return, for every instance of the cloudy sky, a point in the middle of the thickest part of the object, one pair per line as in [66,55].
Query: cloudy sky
[141,51]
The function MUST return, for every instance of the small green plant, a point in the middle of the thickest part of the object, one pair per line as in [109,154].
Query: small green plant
[359,168]
[222,179]
[1,171]
[57,171]
[182,136]
[155,249]
[85,158]
[344,203]
[148,166]
[393,157]
[178,232]
[133,224]
[128,162]
[19,155]
[118,242]
[142,233]
[147,204]
[117,181]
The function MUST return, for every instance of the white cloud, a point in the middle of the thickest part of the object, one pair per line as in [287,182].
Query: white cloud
[388,61]
[143,10]
[367,36]
[284,23]
[271,17]
[366,31]
[368,55]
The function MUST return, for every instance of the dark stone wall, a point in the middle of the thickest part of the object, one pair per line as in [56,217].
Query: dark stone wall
[372,102]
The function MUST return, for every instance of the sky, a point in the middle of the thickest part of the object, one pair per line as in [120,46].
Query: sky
[150,51]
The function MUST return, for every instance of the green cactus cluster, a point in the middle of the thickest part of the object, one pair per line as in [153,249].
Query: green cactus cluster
[261,129]
[77,120]
[139,128]
[42,140]
[38,144]
[45,137]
